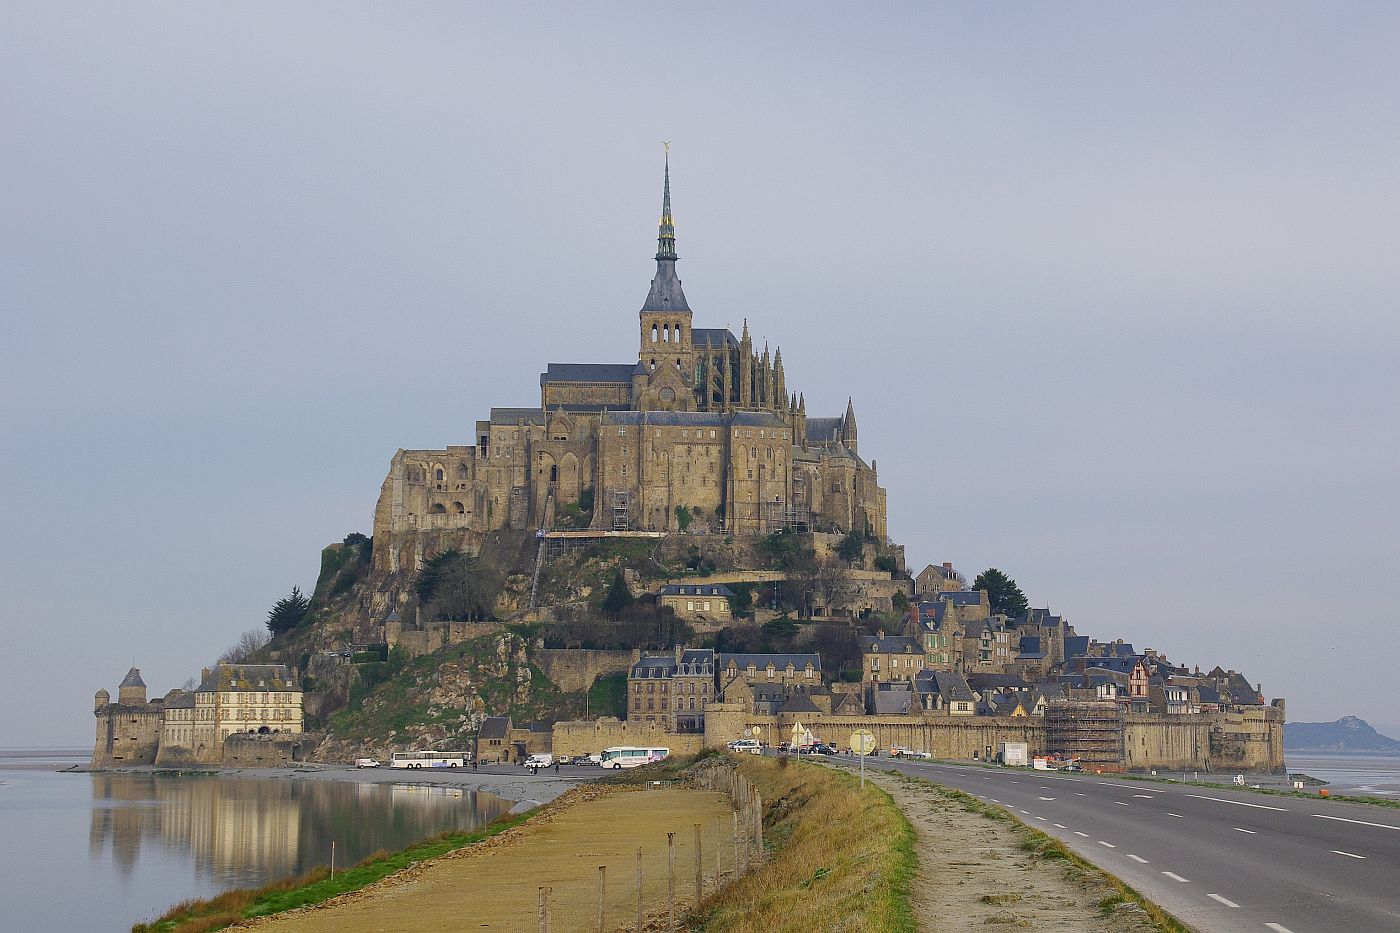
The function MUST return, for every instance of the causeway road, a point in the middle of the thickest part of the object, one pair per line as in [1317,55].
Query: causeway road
[1219,860]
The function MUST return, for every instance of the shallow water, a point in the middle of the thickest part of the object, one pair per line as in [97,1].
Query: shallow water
[104,851]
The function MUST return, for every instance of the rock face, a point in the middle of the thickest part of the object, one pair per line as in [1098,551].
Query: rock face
[1349,734]
[440,700]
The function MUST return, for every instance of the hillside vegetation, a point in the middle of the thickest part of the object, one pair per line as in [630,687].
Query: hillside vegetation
[1347,735]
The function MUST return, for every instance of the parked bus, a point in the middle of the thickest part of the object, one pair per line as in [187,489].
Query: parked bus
[428,759]
[628,756]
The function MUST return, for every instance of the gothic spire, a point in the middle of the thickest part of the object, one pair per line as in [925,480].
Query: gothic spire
[666,293]
[666,237]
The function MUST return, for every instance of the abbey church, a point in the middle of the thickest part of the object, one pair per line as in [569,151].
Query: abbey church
[701,424]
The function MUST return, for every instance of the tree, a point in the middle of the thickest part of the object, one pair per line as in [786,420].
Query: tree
[852,547]
[1002,592]
[248,644]
[288,612]
[683,518]
[455,587]
[619,596]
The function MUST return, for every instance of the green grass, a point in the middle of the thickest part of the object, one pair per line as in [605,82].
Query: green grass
[608,695]
[314,887]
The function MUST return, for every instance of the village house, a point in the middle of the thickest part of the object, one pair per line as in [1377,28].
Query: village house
[672,689]
[889,658]
[710,602]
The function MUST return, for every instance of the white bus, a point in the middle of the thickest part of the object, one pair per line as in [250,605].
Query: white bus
[428,759]
[628,756]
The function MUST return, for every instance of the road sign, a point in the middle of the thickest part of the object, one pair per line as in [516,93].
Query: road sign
[862,742]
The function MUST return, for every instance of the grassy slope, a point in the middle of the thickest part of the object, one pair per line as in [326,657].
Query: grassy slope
[836,852]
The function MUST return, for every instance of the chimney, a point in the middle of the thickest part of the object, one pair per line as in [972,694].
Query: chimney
[680,650]
[948,565]
[204,674]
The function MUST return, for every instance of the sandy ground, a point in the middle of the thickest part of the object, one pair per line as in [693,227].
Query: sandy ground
[495,885]
[973,873]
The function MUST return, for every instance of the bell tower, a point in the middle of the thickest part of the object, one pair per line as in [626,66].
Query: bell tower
[665,315]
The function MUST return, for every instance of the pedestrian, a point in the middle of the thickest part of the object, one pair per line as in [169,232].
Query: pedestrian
[556,766]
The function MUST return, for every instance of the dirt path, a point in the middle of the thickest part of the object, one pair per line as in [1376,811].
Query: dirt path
[974,874]
[495,885]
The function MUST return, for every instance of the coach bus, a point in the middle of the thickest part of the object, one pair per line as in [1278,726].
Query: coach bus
[628,756]
[428,759]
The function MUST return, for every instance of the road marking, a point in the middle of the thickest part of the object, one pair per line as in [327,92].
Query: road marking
[1047,798]
[1175,877]
[1026,812]
[1224,900]
[1177,815]
[1121,803]
[1347,854]
[1061,826]
[1040,817]
[1078,794]
[1146,796]
[1241,803]
[1250,831]
[1107,845]
[1078,833]
[1342,819]
[1124,786]
[1137,858]
[1278,928]
[994,800]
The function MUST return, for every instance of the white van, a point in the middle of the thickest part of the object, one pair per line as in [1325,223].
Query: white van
[543,760]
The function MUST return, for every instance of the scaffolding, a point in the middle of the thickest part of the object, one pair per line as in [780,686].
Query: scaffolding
[1089,731]
[621,506]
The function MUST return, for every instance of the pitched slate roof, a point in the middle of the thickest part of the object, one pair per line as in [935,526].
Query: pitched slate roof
[981,682]
[517,415]
[494,727]
[662,419]
[1076,645]
[893,700]
[799,702]
[823,430]
[247,677]
[692,589]
[1030,648]
[847,704]
[889,644]
[712,336]
[947,684]
[133,678]
[761,661]
[588,372]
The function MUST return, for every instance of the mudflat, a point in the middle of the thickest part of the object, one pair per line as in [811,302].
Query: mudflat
[495,885]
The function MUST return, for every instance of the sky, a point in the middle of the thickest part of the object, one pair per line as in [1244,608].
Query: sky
[1114,287]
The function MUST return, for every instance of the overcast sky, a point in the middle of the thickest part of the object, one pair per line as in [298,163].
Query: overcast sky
[1114,287]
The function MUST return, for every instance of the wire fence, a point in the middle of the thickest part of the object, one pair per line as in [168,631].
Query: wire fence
[695,862]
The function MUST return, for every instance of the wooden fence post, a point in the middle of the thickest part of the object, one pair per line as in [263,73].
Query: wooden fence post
[671,882]
[699,869]
[602,890]
[639,889]
[544,910]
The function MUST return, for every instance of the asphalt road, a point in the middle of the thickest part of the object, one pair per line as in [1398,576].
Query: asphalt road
[1218,860]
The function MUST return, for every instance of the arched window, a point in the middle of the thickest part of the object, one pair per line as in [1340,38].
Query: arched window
[462,471]
[438,508]
[459,508]
[437,474]
[665,333]
[653,333]
[677,332]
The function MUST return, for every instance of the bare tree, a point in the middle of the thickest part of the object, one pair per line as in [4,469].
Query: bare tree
[248,644]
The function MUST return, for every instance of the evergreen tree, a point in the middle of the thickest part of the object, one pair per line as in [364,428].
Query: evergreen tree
[288,612]
[1002,592]
[619,596]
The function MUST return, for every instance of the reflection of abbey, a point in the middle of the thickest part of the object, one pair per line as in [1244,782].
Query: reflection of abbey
[702,422]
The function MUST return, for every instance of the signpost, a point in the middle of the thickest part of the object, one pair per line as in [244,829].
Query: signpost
[862,744]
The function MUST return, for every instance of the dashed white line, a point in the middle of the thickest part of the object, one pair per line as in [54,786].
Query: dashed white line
[1177,815]
[1040,817]
[1224,900]
[1107,845]
[1278,928]
[1175,877]
[1241,803]
[1078,833]
[1250,831]
[1061,826]
[1026,812]
[1342,819]
[1121,803]
[1348,854]
[1124,786]
[994,800]
[1079,794]
[1146,796]
[1137,858]
[1047,798]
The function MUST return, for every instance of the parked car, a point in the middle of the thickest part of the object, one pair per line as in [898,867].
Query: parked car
[542,760]
[899,751]
[746,745]
[593,759]
[821,748]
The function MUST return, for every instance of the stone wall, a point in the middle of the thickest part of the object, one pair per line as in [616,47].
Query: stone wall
[436,636]
[268,751]
[573,670]
[584,737]
[127,734]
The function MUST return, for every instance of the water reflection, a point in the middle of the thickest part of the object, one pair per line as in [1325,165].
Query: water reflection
[246,831]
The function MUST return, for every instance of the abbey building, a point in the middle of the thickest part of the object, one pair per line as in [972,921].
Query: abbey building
[701,427]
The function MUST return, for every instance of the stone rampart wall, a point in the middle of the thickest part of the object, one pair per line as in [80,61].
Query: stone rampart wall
[574,669]
[584,737]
